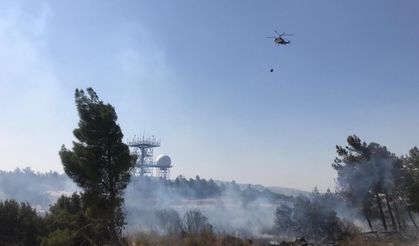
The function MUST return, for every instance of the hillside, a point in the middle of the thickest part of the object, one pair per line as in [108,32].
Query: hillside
[229,206]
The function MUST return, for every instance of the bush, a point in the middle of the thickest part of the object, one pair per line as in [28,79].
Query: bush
[313,218]
[19,224]
[67,222]
[194,222]
[58,238]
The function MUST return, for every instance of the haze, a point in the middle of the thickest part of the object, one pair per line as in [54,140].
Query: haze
[196,75]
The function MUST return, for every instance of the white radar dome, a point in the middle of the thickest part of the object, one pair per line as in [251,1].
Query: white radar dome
[163,161]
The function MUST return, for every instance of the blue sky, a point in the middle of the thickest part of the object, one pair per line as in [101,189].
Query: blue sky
[196,74]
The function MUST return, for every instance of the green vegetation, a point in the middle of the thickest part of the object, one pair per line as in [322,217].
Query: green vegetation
[377,182]
[100,163]
[411,163]
[372,181]
[314,218]
[19,224]
[67,223]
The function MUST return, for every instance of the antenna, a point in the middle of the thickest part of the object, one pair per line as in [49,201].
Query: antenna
[143,147]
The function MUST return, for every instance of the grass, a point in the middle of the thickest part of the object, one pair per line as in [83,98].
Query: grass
[210,238]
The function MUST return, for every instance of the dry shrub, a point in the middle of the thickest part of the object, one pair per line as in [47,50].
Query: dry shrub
[202,239]
[154,239]
[228,240]
[381,240]
[143,239]
[346,231]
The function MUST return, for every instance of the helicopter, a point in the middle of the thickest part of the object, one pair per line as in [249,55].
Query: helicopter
[279,39]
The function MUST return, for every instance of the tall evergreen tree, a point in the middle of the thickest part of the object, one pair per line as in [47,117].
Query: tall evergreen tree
[368,172]
[99,162]
[411,181]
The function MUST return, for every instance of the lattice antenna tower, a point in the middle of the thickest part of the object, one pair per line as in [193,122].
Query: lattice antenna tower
[143,147]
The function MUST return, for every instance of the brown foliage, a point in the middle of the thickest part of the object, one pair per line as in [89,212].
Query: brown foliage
[382,240]
[201,239]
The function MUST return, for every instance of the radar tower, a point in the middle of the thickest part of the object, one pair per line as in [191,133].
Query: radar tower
[145,165]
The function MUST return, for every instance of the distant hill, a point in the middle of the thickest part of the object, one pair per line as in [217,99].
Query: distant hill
[288,191]
[227,205]
[42,189]
[276,189]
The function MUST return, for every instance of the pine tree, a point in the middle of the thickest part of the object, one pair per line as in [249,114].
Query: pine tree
[411,182]
[99,162]
[368,173]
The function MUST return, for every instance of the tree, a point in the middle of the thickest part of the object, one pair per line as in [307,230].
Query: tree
[313,217]
[99,162]
[411,163]
[284,223]
[410,181]
[20,224]
[194,222]
[367,173]
[67,224]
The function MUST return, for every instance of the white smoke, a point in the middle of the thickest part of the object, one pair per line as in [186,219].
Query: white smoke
[230,208]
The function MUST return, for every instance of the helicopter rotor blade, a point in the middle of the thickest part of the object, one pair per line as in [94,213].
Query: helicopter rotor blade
[270,37]
[277,32]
